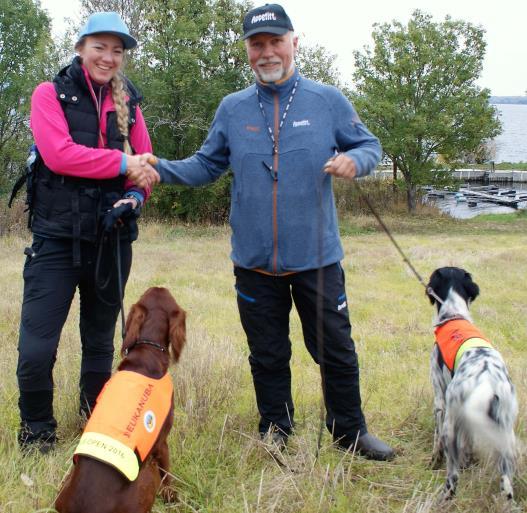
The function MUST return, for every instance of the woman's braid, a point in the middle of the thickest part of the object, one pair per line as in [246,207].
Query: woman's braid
[121,109]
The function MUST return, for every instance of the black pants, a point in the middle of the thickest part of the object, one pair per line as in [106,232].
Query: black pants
[264,303]
[50,281]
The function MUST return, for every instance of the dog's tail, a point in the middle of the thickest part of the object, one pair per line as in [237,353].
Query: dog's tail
[491,412]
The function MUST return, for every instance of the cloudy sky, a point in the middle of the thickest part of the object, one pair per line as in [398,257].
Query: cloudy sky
[342,26]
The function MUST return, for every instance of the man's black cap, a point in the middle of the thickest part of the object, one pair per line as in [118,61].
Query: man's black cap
[270,18]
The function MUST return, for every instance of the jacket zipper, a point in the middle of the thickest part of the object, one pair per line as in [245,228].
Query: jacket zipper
[98,107]
[275,182]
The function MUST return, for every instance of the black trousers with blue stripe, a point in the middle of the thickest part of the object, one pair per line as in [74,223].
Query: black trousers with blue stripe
[264,303]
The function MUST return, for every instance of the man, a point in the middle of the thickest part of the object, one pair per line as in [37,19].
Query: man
[284,137]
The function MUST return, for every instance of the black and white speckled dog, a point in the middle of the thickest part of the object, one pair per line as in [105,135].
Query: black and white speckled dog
[475,404]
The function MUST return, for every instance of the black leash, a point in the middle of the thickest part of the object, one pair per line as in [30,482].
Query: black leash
[101,285]
[320,325]
[120,284]
[111,223]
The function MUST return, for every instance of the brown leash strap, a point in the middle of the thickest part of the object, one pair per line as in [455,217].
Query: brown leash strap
[428,289]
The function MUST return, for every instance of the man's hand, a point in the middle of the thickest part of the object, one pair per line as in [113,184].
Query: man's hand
[341,166]
[148,158]
[139,171]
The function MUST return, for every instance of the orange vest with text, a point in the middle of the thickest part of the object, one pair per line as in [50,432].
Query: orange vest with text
[130,412]
[455,337]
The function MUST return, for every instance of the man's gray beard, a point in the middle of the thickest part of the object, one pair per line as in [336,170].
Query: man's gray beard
[272,76]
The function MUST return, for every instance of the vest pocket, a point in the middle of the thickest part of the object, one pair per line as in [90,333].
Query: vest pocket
[89,199]
[44,198]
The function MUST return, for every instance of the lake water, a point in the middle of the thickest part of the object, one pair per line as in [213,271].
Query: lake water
[511,145]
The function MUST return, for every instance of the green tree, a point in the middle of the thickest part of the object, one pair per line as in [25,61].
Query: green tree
[316,63]
[416,91]
[25,51]
[191,57]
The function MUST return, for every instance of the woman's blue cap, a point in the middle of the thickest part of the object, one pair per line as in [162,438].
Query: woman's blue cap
[108,23]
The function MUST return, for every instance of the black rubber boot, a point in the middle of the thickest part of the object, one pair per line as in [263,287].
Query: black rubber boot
[368,446]
[38,426]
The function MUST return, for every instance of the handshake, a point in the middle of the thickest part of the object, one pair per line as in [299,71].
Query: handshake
[140,170]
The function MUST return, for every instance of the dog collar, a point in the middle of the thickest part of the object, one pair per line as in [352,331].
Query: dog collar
[146,342]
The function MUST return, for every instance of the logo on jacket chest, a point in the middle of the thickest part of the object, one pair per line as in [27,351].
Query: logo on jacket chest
[294,124]
[303,122]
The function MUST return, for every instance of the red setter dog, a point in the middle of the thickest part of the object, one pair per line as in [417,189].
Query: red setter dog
[155,328]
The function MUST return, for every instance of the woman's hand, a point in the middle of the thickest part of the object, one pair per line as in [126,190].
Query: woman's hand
[140,172]
[123,201]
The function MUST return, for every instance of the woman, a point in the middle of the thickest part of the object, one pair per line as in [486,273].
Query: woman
[86,124]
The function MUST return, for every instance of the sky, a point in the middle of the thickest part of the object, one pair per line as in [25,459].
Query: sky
[343,26]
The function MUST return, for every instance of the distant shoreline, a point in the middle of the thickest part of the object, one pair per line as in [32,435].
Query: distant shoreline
[512,100]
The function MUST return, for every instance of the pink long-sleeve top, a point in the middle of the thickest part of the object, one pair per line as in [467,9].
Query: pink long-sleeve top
[64,156]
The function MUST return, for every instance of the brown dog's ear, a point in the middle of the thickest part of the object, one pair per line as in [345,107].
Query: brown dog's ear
[177,332]
[134,321]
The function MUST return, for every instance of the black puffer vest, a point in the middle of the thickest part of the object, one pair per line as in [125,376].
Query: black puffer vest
[71,207]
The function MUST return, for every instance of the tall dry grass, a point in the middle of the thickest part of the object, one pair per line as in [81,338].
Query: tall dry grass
[218,462]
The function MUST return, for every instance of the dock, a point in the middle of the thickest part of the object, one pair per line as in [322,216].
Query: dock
[478,175]
[500,199]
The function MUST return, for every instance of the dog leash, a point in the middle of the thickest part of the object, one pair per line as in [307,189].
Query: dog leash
[101,285]
[429,290]
[320,323]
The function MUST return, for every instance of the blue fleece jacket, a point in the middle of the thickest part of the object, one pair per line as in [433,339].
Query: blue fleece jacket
[283,214]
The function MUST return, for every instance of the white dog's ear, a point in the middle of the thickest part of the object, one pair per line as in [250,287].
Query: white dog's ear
[471,288]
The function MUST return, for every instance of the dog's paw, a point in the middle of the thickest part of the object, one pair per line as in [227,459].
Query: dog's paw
[506,488]
[168,494]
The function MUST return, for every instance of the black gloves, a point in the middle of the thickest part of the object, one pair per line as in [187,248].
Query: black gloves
[124,214]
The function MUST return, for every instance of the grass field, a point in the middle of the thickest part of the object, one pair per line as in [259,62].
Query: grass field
[218,463]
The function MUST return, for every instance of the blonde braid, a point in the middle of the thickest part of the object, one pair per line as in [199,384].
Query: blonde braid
[121,109]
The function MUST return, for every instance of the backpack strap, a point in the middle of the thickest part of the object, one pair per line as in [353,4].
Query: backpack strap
[18,185]
[28,177]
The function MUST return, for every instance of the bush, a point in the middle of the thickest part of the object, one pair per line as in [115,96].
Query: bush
[13,220]
[383,194]
[208,204]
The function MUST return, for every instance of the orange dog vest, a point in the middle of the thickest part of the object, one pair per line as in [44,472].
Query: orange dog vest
[455,337]
[130,412]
